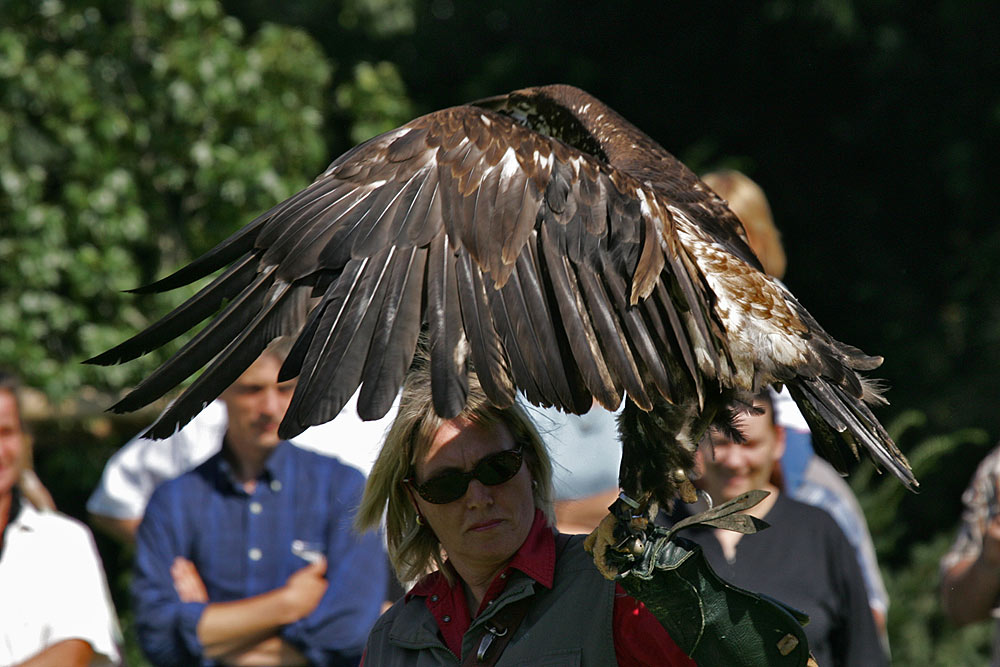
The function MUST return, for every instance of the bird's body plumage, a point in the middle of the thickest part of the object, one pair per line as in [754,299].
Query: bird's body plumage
[546,240]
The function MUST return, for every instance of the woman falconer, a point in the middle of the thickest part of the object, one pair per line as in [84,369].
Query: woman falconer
[469,501]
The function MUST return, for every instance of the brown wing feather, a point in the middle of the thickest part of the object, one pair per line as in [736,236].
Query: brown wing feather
[395,335]
[625,272]
[448,347]
[487,349]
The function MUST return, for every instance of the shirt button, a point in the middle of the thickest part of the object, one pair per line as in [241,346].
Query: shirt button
[434,598]
[275,485]
[255,507]
[255,554]
[446,619]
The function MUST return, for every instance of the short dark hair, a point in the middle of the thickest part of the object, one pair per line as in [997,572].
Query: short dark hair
[766,397]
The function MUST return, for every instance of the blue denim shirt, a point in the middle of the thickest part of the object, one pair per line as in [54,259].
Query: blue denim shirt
[240,544]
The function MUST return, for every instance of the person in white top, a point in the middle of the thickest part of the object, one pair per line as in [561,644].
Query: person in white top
[54,603]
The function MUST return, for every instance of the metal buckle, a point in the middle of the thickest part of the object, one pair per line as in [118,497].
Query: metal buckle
[487,641]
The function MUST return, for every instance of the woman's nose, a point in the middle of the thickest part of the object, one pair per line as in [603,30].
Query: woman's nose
[478,494]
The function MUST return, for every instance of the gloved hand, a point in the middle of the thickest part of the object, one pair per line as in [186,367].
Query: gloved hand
[712,621]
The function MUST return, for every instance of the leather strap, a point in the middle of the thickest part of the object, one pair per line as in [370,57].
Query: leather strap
[499,630]
[502,626]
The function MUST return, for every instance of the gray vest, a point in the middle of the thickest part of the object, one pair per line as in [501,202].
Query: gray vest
[571,624]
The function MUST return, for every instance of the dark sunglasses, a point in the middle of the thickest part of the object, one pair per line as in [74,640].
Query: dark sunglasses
[450,486]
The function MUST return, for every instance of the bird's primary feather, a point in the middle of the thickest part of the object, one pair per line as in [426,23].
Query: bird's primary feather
[542,238]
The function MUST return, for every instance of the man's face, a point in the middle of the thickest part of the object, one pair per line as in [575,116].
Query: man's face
[740,467]
[11,442]
[256,404]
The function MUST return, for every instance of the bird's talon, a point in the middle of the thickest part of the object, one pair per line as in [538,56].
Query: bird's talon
[638,524]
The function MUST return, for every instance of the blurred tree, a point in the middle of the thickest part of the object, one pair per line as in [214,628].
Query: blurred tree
[368,95]
[133,137]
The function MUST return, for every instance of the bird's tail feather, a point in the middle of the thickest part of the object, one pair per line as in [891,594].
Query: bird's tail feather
[836,419]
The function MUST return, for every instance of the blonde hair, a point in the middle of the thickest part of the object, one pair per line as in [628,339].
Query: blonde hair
[414,549]
[747,201]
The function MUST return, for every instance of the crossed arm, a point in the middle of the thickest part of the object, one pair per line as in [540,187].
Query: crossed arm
[245,632]
[67,653]
[178,624]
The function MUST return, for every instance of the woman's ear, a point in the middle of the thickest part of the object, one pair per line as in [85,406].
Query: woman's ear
[421,521]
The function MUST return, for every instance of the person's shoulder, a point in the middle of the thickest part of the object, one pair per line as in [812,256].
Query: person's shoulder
[401,617]
[404,617]
[390,615]
[202,434]
[65,529]
[989,467]
[182,485]
[573,562]
[803,514]
[328,464]
[820,471]
[814,524]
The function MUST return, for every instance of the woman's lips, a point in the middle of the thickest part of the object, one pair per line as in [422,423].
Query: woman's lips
[484,525]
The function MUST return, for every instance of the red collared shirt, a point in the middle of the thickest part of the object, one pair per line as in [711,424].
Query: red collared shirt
[639,637]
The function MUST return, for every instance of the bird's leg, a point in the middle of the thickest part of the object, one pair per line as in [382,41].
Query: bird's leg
[622,535]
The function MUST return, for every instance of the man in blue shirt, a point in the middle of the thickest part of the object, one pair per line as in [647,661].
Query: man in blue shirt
[251,557]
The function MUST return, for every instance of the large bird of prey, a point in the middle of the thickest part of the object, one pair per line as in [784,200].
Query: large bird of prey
[546,241]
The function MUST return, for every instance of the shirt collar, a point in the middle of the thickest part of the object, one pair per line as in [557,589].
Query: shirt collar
[13,515]
[536,558]
[23,514]
[275,468]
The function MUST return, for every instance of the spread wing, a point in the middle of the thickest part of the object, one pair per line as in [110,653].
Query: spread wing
[510,247]
[538,235]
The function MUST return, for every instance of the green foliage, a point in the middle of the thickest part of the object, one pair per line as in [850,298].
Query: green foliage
[919,634]
[911,532]
[130,140]
[934,458]
[376,97]
[380,18]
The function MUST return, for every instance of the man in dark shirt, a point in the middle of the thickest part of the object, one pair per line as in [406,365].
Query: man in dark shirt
[802,559]
[251,557]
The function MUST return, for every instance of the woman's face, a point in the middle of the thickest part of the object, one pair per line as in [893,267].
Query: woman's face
[741,467]
[485,527]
